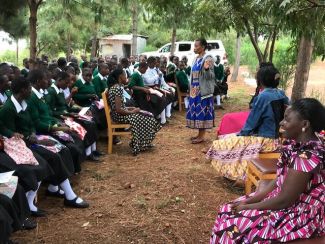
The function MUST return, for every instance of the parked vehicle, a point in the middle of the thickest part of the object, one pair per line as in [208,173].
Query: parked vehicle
[186,48]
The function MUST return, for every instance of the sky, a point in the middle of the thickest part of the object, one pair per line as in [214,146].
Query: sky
[5,43]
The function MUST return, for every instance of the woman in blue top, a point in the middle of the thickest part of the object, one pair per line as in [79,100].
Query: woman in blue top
[259,133]
[200,113]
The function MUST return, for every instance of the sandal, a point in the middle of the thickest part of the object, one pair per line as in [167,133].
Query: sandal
[198,141]
[194,138]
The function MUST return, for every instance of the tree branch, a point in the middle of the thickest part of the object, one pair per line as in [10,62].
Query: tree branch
[254,42]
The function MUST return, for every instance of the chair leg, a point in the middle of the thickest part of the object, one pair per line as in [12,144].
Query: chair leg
[248,186]
[180,104]
[110,142]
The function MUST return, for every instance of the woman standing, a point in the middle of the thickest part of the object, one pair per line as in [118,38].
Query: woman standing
[200,113]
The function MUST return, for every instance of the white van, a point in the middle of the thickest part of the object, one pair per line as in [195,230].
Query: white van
[186,48]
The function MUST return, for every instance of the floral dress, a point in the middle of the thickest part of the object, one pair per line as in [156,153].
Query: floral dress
[303,220]
[143,127]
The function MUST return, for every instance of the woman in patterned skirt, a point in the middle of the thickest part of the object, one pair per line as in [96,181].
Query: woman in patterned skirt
[292,206]
[143,125]
[200,113]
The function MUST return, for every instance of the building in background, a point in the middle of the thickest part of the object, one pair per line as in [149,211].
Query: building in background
[121,45]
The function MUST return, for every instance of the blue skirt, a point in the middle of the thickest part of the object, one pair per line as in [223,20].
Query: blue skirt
[200,112]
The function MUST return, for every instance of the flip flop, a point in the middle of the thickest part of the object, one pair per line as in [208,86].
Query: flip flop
[193,138]
[196,141]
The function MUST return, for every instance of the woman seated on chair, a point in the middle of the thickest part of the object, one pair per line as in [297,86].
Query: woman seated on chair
[291,207]
[259,133]
[143,125]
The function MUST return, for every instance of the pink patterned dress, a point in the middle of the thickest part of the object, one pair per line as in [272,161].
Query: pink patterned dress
[304,219]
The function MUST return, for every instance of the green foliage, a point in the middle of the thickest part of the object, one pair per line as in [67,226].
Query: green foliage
[10,56]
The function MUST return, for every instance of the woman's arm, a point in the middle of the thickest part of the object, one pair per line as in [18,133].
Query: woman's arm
[140,88]
[120,110]
[294,185]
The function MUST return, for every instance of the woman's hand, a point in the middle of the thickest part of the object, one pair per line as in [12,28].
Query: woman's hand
[74,90]
[135,110]
[238,206]
[17,136]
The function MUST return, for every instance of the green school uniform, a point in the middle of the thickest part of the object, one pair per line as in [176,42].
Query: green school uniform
[40,113]
[24,72]
[182,80]
[85,89]
[13,120]
[219,72]
[95,72]
[56,101]
[100,84]
[188,70]
[7,94]
[136,80]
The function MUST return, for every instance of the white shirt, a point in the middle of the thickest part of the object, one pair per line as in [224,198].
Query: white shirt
[66,92]
[3,97]
[39,94]
[151,77]
[57,89]
[19,107]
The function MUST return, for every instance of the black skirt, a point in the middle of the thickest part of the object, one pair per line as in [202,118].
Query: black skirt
[92,131]
[17,207]
[151,103]
[61,163]
[28,175]
[99,117]
[77,151]
[5,225]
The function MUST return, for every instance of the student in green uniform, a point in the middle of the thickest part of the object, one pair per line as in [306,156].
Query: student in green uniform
[45,123]
[219,74]
[100,80]
[4,89]
[15,120]
[187,68]
[181,77]
[142,95]
[25,70]
[83,59]
[60,108]
[86,90]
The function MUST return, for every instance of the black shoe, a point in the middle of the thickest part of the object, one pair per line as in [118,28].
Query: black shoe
[73,203]
[54,194]
[98,153]
[38,213]
[28,224]
[93,158]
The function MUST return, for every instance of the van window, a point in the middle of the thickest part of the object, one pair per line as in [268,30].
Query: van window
[184,47]
[214,45]
[165,49]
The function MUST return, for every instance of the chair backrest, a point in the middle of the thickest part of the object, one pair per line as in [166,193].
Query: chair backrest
[278,107]
[107,108]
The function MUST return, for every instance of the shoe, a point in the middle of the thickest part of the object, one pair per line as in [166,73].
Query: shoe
[93,158]
[116,141]
[73,203]
[54,194]
[38,213]
[28,224]
[98,153]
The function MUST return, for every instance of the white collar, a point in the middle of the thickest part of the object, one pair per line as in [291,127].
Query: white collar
[138,72]
[58,90]
[39,94]
[101,77]
[3,97]
[19,107]
[26,69]
[82,80]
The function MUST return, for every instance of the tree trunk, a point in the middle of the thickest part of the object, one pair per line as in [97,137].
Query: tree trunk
[267,47]
[305,52]
[17,51]
[68,54]
[172,50]
[237,61]
[274,34]
[33,6]
[134,28]
[253,41]
[94,45]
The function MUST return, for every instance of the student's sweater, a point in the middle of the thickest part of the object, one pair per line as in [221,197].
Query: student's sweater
[136,80]
[85,89]
[56,101]
[100,84]
[182,80]
[40,113]
[14,119]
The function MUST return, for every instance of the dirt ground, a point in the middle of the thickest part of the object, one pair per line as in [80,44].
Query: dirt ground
[167,195]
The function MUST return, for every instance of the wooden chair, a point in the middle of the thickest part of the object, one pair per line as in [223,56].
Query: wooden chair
[111,126]
[260,169]
[180,96]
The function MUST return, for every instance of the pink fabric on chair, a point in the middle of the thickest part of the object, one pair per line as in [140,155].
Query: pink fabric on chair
[232,123]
